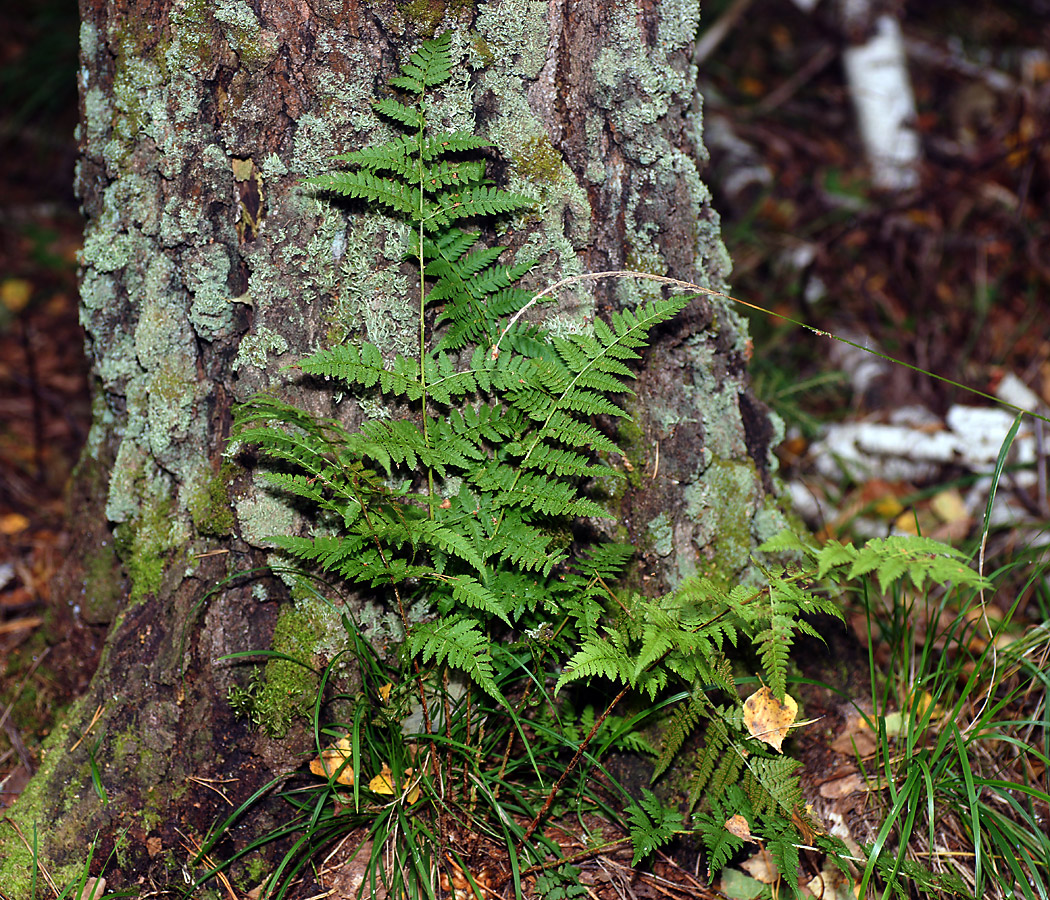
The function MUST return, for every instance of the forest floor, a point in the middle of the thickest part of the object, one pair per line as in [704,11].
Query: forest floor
[953,278]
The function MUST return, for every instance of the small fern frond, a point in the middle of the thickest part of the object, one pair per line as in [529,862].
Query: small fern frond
[393,156]
[436,145]
[409,116]
[524,545]
[429,66]
[598,657]
[458,643]
[364,365]
[401,198]
[445,173]
[556,461]
[469,592]
[475,202]
[721,844]
[772,786]
[684,719]
[651,824]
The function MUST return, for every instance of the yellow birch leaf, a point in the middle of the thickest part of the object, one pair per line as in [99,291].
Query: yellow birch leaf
[15,294]
[331,759]
[383,783]
[767,719]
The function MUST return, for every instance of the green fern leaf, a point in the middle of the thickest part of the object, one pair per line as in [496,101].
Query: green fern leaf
[651,825]
[772,786]
[393,156]
[474,202]
[458,643]
[468,592]
[409,116]
[598,657]
[444,174]
[437,145]
[684,719]
[431,64]
[364,185]
[556,461]
[523,545]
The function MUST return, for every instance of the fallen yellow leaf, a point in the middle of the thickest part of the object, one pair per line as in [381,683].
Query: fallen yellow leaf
[13,523]
[330,761]
[383,783]
[767,719]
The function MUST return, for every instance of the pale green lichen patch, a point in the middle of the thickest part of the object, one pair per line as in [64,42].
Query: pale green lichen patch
[721,505]
[255,349]
[208,500]
[242,29]
[261,514]
[662,534]
[206,271]
[149,543]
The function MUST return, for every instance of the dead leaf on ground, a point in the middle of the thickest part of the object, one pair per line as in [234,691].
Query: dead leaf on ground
[739,826]
[767,719]
[856,738]
[761,867]
[331,759]
[838,788]
[383,783]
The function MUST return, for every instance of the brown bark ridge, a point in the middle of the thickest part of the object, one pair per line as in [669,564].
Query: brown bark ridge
[208,267]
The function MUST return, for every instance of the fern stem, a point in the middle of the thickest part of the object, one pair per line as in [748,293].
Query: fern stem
[534,824]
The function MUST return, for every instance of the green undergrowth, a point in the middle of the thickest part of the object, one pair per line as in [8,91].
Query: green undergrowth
[959,711]
[522,661]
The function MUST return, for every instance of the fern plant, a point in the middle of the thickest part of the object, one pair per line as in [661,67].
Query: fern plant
[462,508]
[459,509]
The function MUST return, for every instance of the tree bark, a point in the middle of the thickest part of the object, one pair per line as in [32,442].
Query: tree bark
[207,267]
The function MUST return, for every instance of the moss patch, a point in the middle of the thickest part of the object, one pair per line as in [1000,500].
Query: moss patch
[288,688]
[210,504]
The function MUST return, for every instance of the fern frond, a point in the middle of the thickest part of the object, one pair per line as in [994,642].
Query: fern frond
[720,843]
[651,824]
[715,749]
[474,202]
[468,591]
[393,156]
[919,559]
[398,196]
[783,847]
[445,173]
[533,491]
[364,365]
[772,786]
[598,657]
[556,461]
[684,719]
[409,116]
[524,545]
[437,145]
[459,643]
[605,561]
[431,64]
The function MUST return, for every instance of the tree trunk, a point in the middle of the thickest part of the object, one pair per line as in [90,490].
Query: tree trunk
[208,267]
